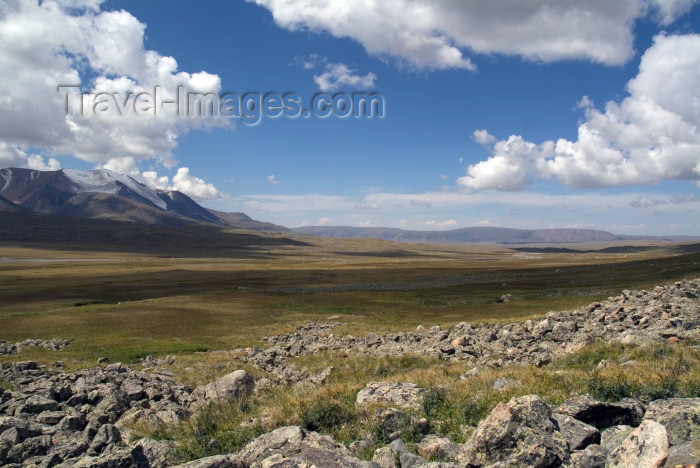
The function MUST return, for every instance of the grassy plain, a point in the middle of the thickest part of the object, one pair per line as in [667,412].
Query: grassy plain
[180,297]
[133,292]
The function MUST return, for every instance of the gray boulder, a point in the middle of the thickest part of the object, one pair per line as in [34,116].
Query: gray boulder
[593,456]
[519,433]
[687,454]
[434,446]
[612,437]
[602,414]
[646,447]
[230,387]
[680,417]
[323,452]
[216,461]
[579,435]
[284,440]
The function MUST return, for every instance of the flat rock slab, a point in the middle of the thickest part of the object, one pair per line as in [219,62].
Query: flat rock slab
[403,395]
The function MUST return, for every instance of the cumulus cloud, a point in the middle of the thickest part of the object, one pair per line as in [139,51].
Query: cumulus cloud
[339,76]
[182,181]
[271,179]
[325,221]
[73,43]
[436,34]
[651,135]
[14,156]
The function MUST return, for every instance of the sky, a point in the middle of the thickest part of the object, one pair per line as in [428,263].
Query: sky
[538,114]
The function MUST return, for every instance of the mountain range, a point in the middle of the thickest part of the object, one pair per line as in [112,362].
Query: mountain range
[106,195]
[465,235]
[103,194]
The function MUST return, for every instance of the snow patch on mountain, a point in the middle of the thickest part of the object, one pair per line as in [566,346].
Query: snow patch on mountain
[8,178]
[105,181]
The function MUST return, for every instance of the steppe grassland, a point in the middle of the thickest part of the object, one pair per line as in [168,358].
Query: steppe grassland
[125,306]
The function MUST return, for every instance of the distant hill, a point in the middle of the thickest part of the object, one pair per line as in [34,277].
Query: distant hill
[244,221]
[103,194]
[465,235]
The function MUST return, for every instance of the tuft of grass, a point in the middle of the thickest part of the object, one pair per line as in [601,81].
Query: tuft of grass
[326,416]
[609,389]
[433,402]
[218,428]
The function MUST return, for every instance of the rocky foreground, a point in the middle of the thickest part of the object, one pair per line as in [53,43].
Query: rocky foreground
[85,419]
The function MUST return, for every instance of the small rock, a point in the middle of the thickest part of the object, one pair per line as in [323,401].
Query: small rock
[433,446]
[403,395]
[505,384]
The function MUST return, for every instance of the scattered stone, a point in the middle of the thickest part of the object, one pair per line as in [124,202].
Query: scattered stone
[403,395]
[12,348]
[505,384]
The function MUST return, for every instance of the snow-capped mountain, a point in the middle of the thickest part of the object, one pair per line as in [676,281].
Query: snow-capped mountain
[105,194]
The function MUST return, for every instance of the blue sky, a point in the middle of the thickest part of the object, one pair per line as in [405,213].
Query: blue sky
[529,115]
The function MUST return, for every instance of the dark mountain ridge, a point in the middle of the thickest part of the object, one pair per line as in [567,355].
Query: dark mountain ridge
[103,194]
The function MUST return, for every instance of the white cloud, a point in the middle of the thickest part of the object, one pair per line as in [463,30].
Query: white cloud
[506,209]
[366,206]
[483,137]
[418,202]
[435,34]
[194,186]
[484,222]
[72,42]
[325,221]
[182,181]
[14,156]
[339,76]
[652,135]
[450,223]
[645,201]
[366,223]
[271,179]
